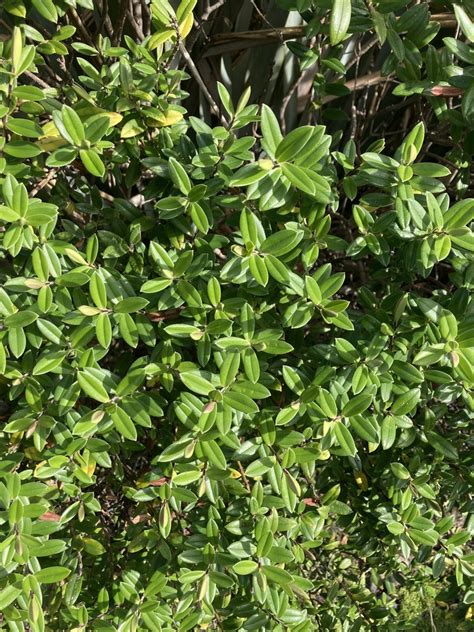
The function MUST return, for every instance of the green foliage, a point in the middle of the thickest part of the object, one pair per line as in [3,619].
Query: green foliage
[422,610]
[236,355]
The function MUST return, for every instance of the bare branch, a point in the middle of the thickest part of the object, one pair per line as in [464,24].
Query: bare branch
[199,80]
[206,15]
[228,42]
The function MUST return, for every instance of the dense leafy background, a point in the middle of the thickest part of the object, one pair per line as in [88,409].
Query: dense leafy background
[236,315]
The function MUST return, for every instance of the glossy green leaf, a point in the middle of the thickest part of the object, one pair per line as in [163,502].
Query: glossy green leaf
[340,20]
[344,439]
[92,386]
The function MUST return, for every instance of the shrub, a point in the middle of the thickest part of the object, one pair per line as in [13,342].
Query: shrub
[236,362]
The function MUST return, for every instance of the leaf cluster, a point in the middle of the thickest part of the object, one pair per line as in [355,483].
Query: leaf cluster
[236,348]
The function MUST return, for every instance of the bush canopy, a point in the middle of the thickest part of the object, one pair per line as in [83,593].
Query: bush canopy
[236,315]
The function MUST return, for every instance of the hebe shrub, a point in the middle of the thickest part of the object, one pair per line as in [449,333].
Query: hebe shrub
[236,364]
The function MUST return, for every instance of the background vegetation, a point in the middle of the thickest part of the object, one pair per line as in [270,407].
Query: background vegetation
[236,317]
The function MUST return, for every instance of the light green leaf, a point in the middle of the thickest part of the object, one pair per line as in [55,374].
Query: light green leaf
[92,386]
[92,162]
[52,574]
[272,135]
[345,440]
[340,20]
[196,383]
[124,424]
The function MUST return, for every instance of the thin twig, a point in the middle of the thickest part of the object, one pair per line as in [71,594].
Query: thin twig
[78,22]
[157,317]
[36,79]
[361,52]
[195,73]
[244,477]
[208,12]
[43,183]
[264,18]
[353,127]
[393,108]
[365,81]
[228,42]
[103,11]
[300,79]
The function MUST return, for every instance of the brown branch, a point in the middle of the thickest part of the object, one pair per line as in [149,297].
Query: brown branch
[360,83]
[364,49]
[199,80]
[43,183]
[303,86]
[158,317]
[228,42]
[244,478]
[206,15]
[36,79]
[103,9]
[146,18]
[264,18]
[447,20]
[118,29]
[134,24]
[78,22]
